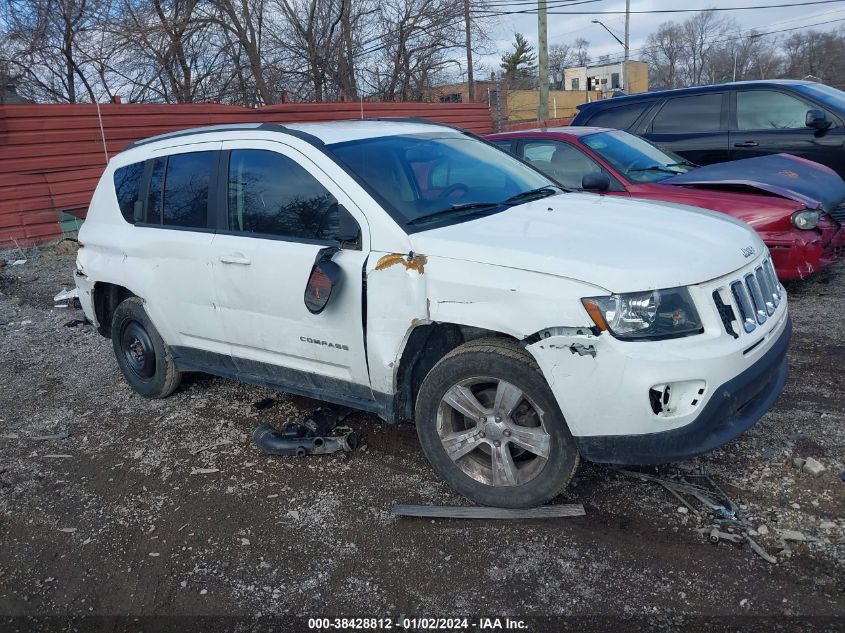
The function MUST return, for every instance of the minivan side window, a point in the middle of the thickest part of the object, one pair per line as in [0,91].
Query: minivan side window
[620,117]
[127,188]
[682,115]
[270,194]
[769,110]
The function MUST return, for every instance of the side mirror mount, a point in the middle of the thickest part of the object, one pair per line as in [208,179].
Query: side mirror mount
[323,281]
[817,119]
[595,181]
[348,231]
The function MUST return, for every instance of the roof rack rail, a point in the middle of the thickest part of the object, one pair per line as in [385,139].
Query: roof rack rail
[228,127]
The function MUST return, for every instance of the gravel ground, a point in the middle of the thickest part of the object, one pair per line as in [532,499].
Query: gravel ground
[116,520]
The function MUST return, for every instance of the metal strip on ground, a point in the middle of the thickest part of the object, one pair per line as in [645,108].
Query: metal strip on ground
[473,512]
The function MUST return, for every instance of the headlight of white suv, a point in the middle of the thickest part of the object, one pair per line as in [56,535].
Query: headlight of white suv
[652,315]
[805,220]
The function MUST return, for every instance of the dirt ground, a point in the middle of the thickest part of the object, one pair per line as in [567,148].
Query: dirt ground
[116,520]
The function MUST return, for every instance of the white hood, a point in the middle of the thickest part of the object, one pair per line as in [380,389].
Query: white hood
[619,244]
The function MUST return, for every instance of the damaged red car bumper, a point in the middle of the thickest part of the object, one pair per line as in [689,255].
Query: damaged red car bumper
[797,254]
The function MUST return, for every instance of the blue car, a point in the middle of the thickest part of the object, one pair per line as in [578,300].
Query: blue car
[722,122]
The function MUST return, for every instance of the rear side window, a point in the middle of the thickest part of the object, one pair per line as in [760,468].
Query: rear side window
[620,117]
[272,195]
[186,189]
[682,115]
[127,187]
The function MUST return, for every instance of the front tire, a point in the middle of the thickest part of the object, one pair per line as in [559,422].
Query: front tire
[142,355]
[490,426]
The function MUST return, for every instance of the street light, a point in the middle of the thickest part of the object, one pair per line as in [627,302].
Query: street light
[621,43]
[624,46]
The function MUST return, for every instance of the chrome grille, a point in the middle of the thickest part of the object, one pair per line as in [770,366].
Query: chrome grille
[756,297]
[838,214]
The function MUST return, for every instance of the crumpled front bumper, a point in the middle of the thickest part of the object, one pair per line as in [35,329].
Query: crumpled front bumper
[736,406]
[798,254]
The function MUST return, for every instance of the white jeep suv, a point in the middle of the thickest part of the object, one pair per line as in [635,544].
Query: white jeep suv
[417,272]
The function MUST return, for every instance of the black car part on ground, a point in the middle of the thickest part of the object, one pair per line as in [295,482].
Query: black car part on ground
[309,437]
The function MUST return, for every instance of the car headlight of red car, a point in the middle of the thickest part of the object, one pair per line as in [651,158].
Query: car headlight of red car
[805,220]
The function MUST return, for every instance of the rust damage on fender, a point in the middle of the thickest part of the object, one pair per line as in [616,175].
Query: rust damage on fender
[409,261]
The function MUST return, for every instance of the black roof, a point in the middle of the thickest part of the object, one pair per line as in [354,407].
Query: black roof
[766,83]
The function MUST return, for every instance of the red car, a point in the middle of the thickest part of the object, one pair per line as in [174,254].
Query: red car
[797,206]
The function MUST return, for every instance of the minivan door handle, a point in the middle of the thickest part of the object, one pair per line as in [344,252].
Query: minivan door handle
[235,258]
[747,144]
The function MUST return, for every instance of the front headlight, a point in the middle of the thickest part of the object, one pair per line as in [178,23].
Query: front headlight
[657,314]
[805,220]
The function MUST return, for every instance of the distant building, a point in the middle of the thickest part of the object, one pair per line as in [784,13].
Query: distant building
[8,92]
[518,100]
[606,78]
[459,93]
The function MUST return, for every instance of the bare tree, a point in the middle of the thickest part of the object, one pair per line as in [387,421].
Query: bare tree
[169,50]
[416,45]
[700,34]
[582,51]
[665,55]
[48,48]
[243,23]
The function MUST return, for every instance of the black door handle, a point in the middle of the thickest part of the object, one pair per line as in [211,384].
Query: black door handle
[747,144]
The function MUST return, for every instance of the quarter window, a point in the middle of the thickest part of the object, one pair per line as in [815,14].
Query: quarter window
[272,195]
[620,117]
[769,110]
[127,187]
[682,115]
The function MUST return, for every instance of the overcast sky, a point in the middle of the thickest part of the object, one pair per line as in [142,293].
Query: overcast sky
[567,28]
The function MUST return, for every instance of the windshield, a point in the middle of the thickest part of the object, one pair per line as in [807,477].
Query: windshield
[423,178]
[831,97]
[637,159]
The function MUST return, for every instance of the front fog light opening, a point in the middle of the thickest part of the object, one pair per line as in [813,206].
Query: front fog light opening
[676,398]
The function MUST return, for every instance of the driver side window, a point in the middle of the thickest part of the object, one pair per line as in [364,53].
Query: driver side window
[561,161]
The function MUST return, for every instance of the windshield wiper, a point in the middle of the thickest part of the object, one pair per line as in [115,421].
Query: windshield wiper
[663,168]
[456,209]
[683,163]
[533,194]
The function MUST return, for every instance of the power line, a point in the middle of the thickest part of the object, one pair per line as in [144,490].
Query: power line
[654,11]
[618,58]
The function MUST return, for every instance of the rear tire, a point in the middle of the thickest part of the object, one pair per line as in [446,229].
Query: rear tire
[490,426]
[142,355]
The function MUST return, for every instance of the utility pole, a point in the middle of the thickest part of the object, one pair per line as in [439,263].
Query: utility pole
[627,42]
[470,83]
[543,57]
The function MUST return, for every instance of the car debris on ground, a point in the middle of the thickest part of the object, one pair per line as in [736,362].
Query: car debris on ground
[481,512]
[727,519]
[318,434]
